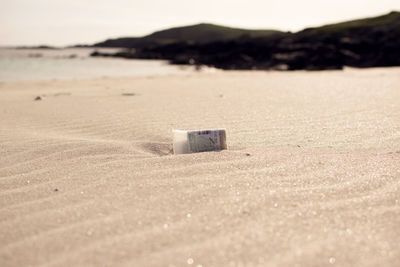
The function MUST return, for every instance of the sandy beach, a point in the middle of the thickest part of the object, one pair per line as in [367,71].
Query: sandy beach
[311,176]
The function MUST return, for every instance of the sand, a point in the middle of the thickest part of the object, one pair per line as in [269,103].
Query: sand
[311,176]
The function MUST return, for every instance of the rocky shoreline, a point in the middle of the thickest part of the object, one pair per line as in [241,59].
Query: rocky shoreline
[373,42]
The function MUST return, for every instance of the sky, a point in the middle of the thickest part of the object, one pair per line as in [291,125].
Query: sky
[69,22]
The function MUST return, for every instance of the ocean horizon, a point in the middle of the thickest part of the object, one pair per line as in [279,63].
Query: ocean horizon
[27,64]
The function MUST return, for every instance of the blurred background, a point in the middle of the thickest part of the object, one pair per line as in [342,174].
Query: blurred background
[251,35]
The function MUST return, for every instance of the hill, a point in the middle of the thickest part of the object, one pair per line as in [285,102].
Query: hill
[199,33]
[390,19]
[369,42]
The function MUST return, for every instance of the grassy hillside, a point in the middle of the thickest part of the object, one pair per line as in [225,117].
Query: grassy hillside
[205,33]
[393,18]
[199,33]
[370,42]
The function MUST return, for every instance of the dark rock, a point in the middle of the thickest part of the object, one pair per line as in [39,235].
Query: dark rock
[128,94]
[371,42]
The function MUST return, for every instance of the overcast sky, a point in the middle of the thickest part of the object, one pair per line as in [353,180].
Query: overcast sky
[66,22]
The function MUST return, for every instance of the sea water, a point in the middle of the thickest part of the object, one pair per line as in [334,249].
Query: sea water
[76,63]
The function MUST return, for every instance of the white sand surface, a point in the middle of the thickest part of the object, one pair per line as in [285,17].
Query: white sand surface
[311,176]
